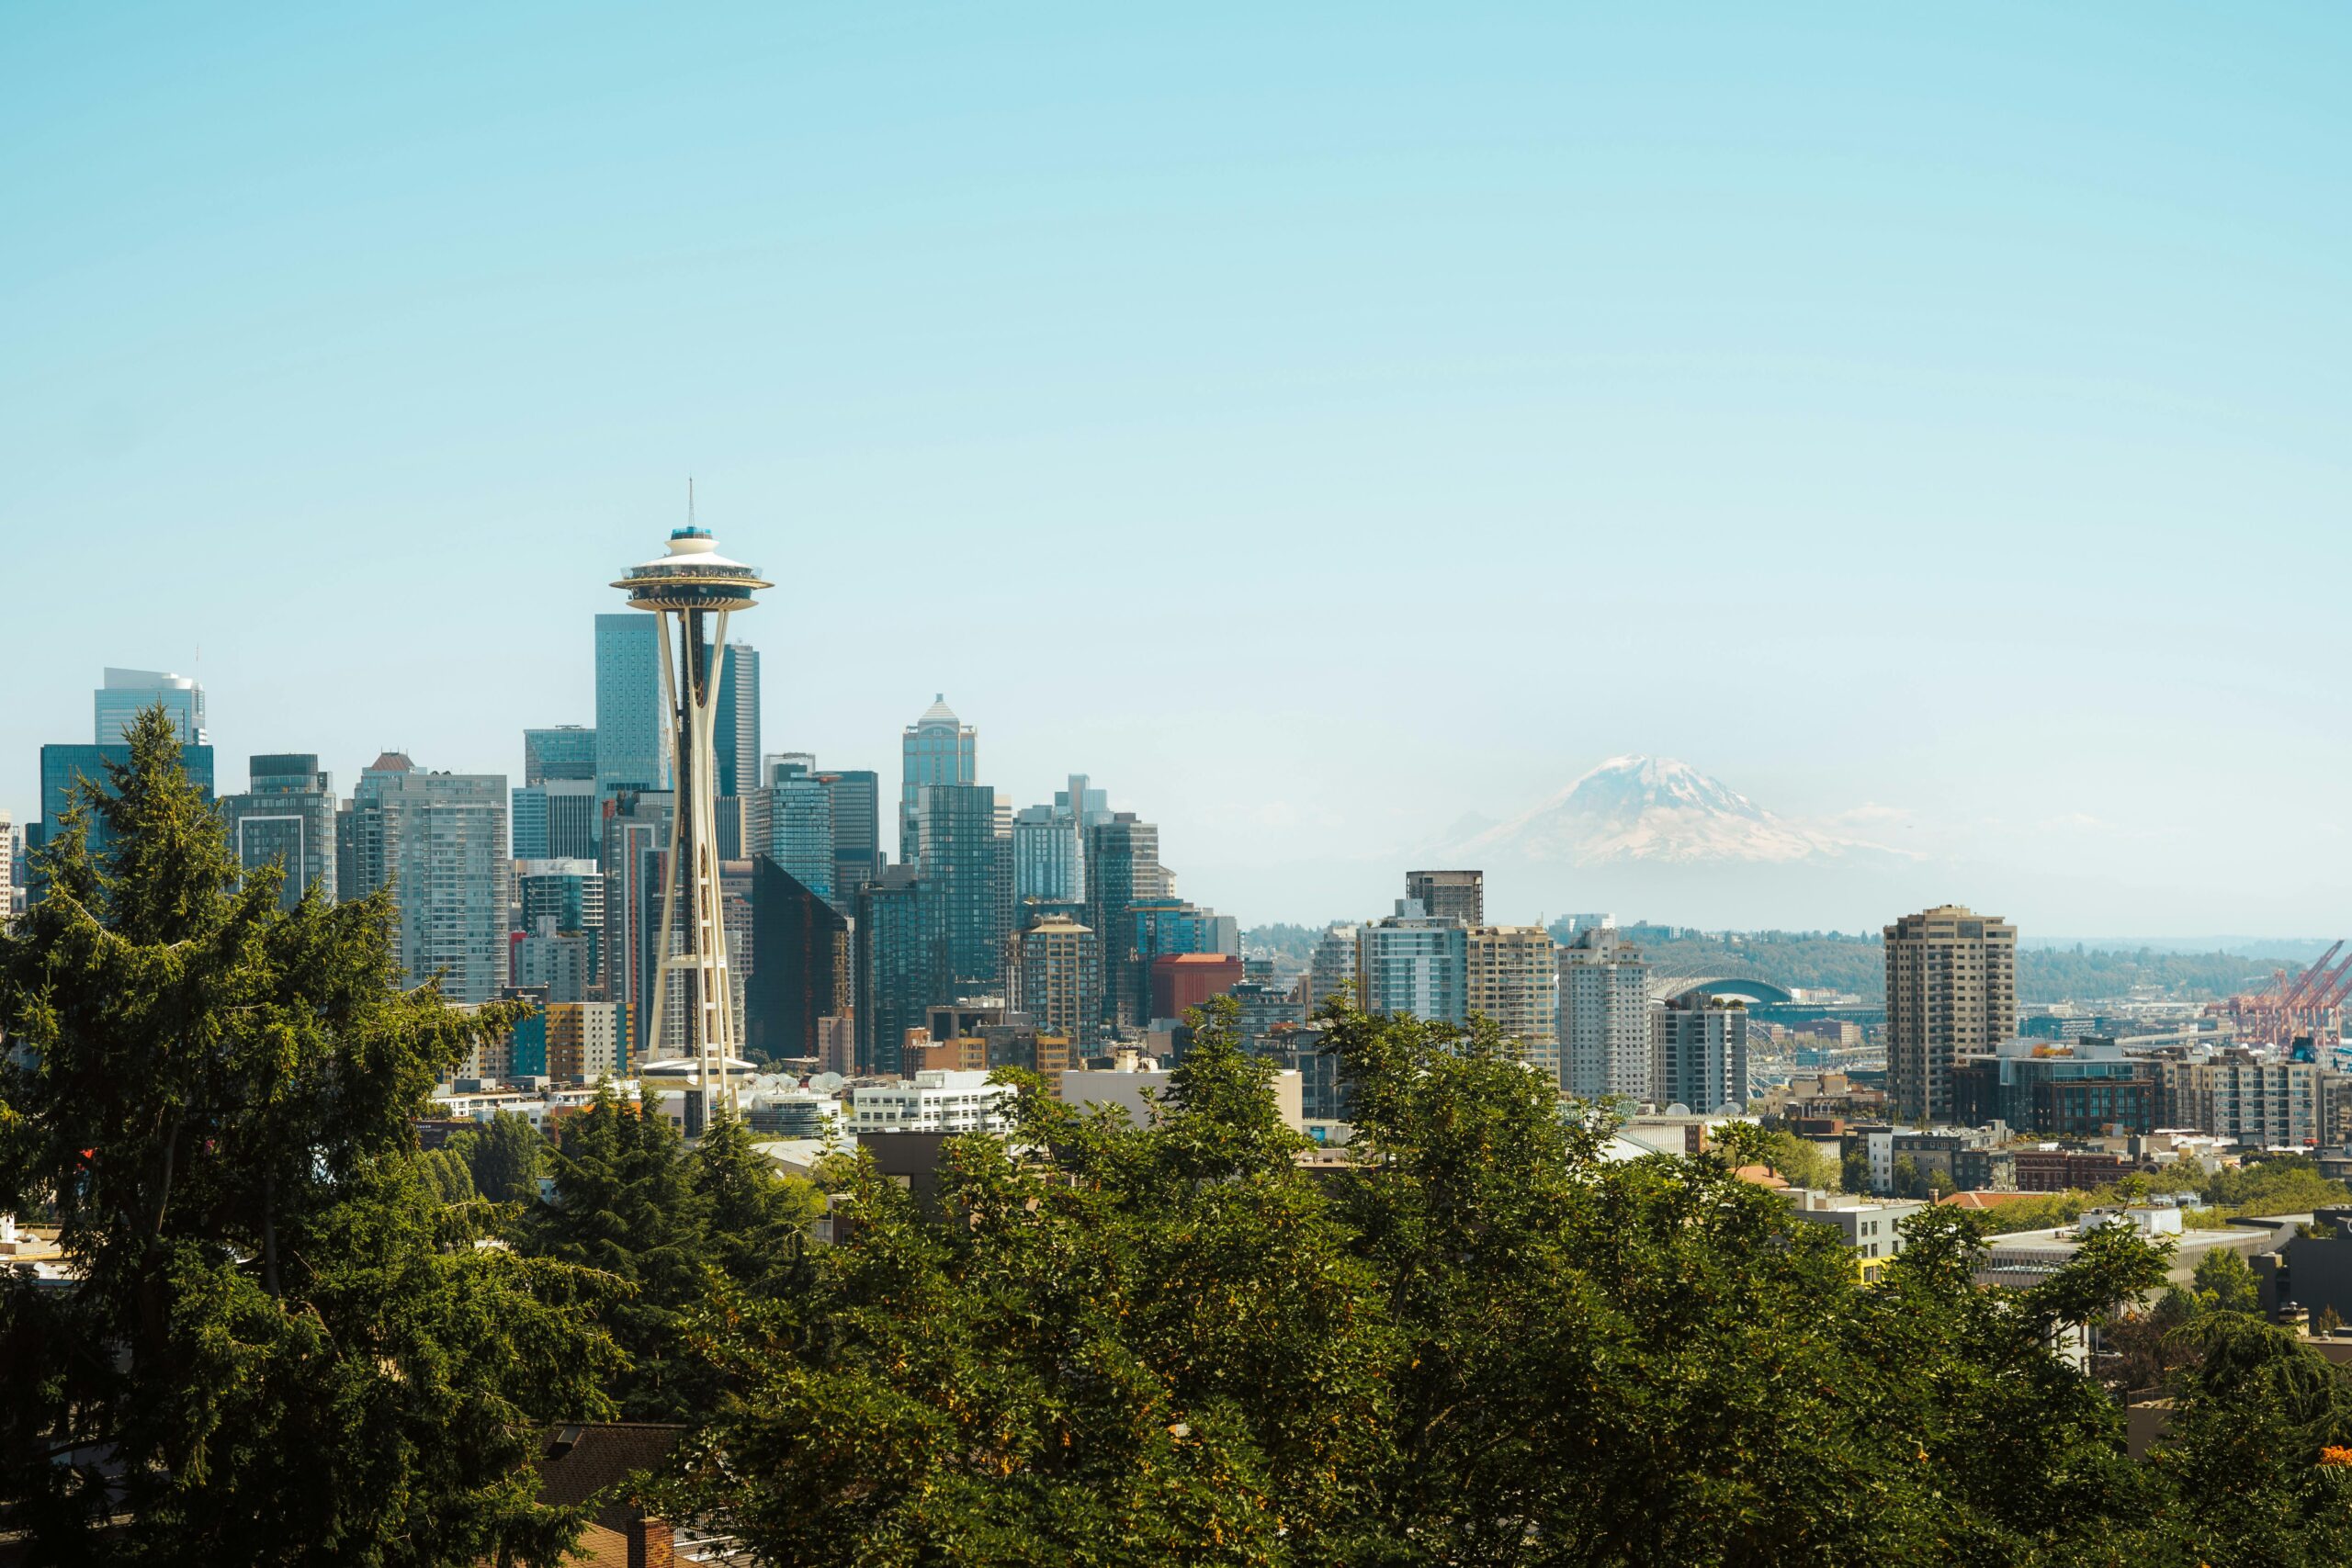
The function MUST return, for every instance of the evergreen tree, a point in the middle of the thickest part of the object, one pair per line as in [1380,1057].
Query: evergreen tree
[279,1348]
[622,1203]
[505,1157]
[756,1218]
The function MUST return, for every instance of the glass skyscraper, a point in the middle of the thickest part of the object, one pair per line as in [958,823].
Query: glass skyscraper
[857,830]
[894,966]
[736,734]
[938,748]
[566,751]
[960,855]
[633,721]
[127,692]
[63,766]
[800,829]
[287,816]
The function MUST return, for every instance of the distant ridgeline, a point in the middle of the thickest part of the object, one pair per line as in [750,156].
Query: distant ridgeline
[1836,961]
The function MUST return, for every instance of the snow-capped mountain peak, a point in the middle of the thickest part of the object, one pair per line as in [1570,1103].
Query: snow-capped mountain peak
[1653,809]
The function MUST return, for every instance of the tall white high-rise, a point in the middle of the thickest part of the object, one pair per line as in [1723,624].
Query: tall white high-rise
[1604,1018]
[693,589]
[7,867]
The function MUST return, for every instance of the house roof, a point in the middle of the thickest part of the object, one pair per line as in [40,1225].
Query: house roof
[576,1462]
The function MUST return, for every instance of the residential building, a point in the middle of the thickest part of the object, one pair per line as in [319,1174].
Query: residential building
[2253,1100]
[587,1041]
[1514,979]
[561,965]
[1261,1011]
[951,1102]
[128,692]
[7,868]
[1699,1054]
[938,748]
[2083,1090]
[735,735]
[1331,968]
[1182,981]
[1952,991]
[1055,972]
[801,964]
[561,902]
[633,717]
[285,818]
[440,841]
[1871,1226]
[1604,1016]
[1450,895]
[1414,963]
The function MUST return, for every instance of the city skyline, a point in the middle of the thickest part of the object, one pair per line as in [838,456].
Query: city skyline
[1326,429]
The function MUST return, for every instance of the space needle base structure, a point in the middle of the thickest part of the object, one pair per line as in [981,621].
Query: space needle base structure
[693,588]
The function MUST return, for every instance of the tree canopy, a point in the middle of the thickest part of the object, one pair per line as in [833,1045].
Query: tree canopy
[277,1346]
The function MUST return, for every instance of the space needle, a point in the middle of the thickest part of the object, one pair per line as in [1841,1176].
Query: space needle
[688,587]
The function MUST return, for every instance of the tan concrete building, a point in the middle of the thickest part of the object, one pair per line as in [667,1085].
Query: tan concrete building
[1514,978]
[1952,990]
[1055,969]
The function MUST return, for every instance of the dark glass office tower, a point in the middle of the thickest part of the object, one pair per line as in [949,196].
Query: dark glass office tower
[800,963]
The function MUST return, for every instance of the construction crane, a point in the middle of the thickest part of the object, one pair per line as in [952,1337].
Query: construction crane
[2312,1004]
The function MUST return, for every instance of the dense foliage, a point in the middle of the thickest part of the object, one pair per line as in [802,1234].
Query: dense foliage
[280,1349]
[1476,1340]
[630,1202]
[1480,1343]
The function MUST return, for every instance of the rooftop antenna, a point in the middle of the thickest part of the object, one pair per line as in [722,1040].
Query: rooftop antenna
[690,501]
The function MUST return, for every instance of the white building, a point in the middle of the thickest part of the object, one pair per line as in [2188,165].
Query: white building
[1871,1226]
[940,1100]
[1331,967]
[1127,1086]
[1604,1018]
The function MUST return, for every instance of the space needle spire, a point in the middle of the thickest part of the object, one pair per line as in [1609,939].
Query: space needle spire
[693,588]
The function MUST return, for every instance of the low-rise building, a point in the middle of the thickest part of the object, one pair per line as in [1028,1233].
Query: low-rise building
[932,1101]
[1871,1226]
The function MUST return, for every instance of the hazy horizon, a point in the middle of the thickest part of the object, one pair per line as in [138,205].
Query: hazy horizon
[1318,427]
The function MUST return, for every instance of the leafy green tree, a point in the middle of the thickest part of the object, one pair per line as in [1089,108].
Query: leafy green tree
[505,1158]
[2226,1280]
[1139,1344]
[447,1175]
[1908,1181]
[279,1348]
[1854,1171]
[2258,1452]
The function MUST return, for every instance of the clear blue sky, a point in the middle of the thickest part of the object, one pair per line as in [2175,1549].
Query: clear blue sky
[1317,426]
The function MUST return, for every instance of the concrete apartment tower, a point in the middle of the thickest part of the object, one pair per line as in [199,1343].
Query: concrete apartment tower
[1514,978]
[1455,895]
[1604,1018]
[1952,990]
